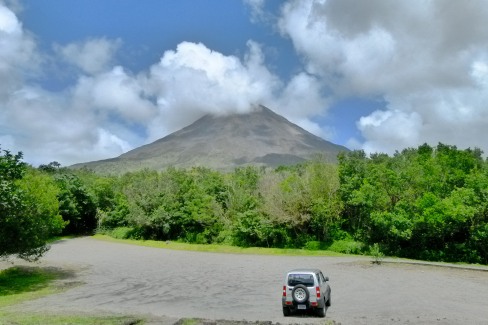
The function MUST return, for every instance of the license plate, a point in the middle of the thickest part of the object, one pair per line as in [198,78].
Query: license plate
[302,306]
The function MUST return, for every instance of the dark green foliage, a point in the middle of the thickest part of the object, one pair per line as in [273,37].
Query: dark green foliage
[357,206]
[346,246]
[76,205]
[427,203]
[50,168]
[28,209]
[175,204]
[112,205]
[251,229]
[204,206]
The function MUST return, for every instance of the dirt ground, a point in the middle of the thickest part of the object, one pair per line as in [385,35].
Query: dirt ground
[167,285]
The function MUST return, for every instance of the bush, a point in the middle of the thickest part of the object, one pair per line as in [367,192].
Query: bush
[376,253]
[124,233]
[347,246]
[29,211]
[313,245]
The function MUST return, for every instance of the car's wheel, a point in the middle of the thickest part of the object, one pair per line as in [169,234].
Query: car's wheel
[286,311]
[320,311]
[328,302]
[300,293]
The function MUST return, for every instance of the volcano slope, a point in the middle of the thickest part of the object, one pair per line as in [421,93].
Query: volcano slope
[224,142]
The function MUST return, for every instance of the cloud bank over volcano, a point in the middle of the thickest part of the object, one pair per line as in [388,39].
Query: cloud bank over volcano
[424,63]
[109,110]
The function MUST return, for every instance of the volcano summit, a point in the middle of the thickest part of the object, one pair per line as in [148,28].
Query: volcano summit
[259,138]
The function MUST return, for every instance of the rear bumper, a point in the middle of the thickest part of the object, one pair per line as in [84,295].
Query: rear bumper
[308,305]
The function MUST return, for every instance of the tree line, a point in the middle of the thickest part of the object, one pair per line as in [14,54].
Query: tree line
[427,202]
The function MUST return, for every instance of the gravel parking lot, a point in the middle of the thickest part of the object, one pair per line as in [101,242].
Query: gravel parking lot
[168,285]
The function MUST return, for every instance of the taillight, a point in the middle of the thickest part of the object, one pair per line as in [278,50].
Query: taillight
[317,290]
[284,291]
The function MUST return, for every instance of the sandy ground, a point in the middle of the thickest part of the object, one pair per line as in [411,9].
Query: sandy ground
[167,285]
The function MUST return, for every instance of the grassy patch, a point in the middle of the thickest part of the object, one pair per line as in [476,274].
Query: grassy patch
[38,319]
[214,248]
[19,284]
[188,321]
[18,280]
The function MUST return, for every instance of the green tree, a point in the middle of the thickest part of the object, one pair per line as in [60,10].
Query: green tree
[326,206]
[242,190]
[76,205]
[51,168]
[252,229]
[302,203]
[111,203]
[422,203]
[357,206]
[28,209]
[174,204]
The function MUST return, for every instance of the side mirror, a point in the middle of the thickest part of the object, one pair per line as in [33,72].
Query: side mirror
[326,278]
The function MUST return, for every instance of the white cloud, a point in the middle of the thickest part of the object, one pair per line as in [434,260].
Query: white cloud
[8,21]
[257,8]
[194,80]
[68,126]
[212,81]
[92,56]
[18,58]
[301,99]
[426,59]
[107,110]
[46,127]
[258,11]
[115,92]
[390,130]
[479,72]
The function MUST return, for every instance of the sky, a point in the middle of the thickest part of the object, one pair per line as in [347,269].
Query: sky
[89,80]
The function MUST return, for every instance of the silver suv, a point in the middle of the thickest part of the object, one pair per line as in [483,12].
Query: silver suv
[306,289]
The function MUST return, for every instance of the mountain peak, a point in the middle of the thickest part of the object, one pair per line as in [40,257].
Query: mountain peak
[224,142]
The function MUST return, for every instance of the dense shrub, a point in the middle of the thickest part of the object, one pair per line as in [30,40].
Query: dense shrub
[29,213]
[427,203]
[347,246]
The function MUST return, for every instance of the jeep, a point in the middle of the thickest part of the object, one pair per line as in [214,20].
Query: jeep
[306,289]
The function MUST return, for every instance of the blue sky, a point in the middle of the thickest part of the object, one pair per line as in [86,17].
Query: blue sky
[88,80]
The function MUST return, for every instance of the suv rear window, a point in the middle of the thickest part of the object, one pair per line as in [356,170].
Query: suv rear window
[305,279]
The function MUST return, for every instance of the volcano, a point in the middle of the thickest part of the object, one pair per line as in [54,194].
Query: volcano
[258,138]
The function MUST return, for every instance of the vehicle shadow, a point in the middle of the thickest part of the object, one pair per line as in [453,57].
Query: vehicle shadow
[306,314]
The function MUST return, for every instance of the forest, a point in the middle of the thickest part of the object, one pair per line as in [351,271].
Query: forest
[425,203]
